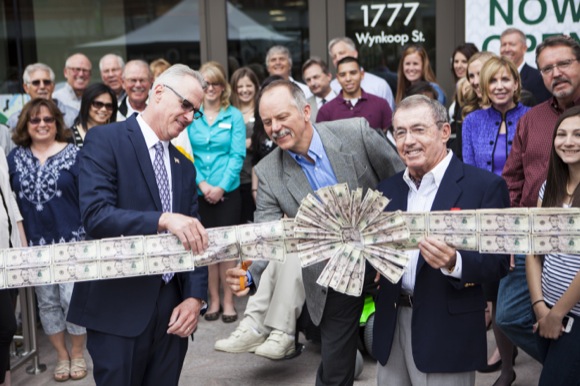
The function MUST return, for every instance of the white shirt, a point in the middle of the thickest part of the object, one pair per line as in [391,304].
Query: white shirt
[13,214]
[421,200]
[302,86]
[331,95]
[150,140]
[67,95]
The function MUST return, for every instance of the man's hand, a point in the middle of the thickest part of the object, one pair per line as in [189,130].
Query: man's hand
[188,229]
[235,276]
[184,318]
[437,253]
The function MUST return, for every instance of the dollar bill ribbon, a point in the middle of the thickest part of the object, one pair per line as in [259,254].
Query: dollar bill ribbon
[336,225]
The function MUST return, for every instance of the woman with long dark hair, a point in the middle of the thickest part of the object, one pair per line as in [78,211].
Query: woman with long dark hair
[98,107]
[554,278]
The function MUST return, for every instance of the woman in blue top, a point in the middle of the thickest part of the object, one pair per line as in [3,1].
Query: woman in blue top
[218,142]
[44,177]
[554,278]
[488,133]
[487,141]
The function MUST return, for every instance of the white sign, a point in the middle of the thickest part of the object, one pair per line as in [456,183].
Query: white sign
[538,19]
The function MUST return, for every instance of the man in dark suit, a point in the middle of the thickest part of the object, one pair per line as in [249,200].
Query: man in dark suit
[430,327]
[137,327]
[310,157]
[514,46]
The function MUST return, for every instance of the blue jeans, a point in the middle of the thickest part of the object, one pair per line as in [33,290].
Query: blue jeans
[514,314]
[561,358]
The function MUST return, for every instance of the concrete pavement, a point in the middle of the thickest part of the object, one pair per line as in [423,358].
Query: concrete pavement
[204,366]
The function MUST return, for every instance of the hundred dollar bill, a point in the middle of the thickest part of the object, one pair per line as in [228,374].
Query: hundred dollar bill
[123,267]
[76,271]
[412,242]
[171,263]
[79,251]
[122,247]
[512,220]
[327,197]
[373,205]
[25,277]
[389,255]
[341,260]
[346,283]
[504,243]
[357,274]
[302,232]
[218,254]
[312,212]
[260,232]
[453,221]
[555,220]
[357,196]
[564,243]
[28,256]
[460,241]
[272,250]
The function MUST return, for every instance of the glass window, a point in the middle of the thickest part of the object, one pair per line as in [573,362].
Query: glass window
[255,25]
[381,30]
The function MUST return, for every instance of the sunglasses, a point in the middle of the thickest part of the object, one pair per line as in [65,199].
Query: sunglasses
[99,105]
[37,120]
[186,105]
[36,83]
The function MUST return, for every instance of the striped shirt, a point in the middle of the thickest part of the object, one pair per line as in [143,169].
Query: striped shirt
[558,272]
[527,165]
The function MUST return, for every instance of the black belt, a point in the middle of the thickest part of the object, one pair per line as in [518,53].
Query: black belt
[405,300]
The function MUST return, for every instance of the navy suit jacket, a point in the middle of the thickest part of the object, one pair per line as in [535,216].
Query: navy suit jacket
[533,82]
[448,323]
[119,196]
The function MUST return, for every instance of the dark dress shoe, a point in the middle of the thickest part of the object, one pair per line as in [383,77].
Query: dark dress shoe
[212,316]
[489,368]
[229,318]
[497,382]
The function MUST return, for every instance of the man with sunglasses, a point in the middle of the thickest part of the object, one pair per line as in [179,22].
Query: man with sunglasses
[137,79]
[38,82]
[77,71]
[133,181]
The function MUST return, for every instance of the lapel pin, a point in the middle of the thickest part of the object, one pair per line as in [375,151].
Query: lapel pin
[176,160]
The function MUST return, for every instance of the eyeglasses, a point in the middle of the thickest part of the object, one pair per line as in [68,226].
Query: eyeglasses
[563,65]
[37,120]
[186,105]
[99,105]
[416,131]
[214,85]
[78,69]
[36,83]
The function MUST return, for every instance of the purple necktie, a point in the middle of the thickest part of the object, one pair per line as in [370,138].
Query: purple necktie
[163,186]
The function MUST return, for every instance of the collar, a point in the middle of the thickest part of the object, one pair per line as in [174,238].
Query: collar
[521,66]
[363,96]
[435,175]
[150,137]
[330,96]
[315,150]
[554,104]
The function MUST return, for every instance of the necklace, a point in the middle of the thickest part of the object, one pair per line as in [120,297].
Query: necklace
[248,110]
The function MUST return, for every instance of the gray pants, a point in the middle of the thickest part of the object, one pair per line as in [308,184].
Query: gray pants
[53,302]
[400,369]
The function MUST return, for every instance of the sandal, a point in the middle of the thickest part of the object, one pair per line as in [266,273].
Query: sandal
[78,368]
[62,371]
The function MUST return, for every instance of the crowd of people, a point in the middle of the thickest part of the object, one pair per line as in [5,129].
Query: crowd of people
[161,148]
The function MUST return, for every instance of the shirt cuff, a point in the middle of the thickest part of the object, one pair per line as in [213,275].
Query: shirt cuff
[456,273]
[249,280]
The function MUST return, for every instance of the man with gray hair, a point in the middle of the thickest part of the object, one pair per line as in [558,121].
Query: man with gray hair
[342,47]
[137,79]
[38,82]
[77,71]
[514,46]
[137,327]
[279,62]
[429,327]
[111,67]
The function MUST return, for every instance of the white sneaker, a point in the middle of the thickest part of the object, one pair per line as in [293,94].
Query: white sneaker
[277,346]
[243,339]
